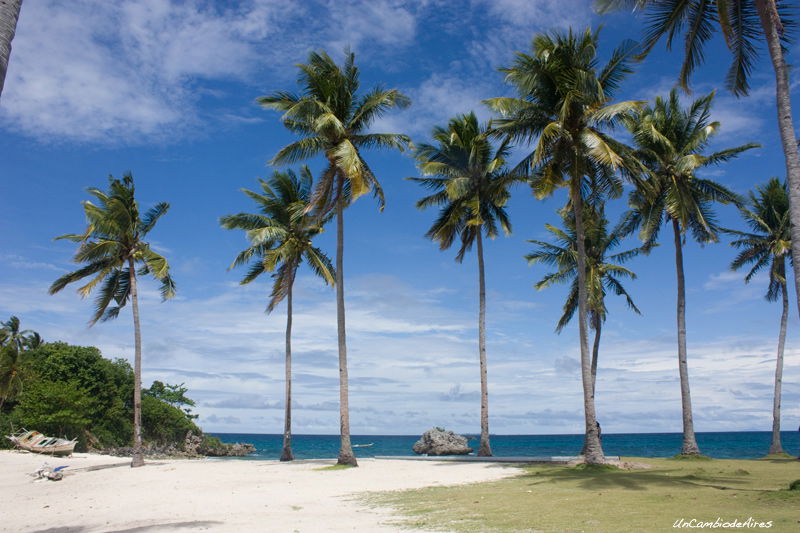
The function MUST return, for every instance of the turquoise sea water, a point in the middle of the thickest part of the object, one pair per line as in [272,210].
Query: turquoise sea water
[723,445]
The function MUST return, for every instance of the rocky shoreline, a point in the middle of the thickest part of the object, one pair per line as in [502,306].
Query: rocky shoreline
[193,446]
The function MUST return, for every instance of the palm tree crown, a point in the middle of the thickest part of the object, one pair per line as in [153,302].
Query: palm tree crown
[332,119]
[112,244]
[670,141]
[769,242]
[470,182]
[602,271]
[280,235]
[14,342]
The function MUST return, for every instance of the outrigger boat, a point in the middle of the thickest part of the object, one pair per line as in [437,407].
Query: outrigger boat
[33,441]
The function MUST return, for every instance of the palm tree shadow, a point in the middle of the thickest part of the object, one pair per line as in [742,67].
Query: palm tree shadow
[637,480]
[191,526]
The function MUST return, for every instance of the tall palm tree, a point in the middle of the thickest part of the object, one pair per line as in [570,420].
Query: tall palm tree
[333,118]
[602,271]
[14,342]
[563,106]
[111,247]
[9,14]
[768,246]
[471,187]
[670,142]
[743,24]
[280,239]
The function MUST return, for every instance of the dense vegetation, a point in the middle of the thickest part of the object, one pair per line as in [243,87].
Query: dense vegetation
[73,391]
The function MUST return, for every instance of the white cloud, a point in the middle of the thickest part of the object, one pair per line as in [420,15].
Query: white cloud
[382,22]
[110,72]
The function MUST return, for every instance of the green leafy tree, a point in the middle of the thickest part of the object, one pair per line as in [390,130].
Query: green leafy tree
[174,395]
[767,246]
[163,423]
[471,183]
[743,24]
[564,106]
[112,246]
[670,142]
[280,240]
[56,408]
[333,118]
[14,345]
[108,383]
[603,274]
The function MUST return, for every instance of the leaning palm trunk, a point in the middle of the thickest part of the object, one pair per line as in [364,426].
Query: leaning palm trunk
[593,447]
[770,22]
[689,446]
[346,456]
[484,449]
[775,446]
[9,14]
[137,459]
[286,453]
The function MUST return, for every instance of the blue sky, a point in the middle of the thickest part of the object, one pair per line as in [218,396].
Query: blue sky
[167,90]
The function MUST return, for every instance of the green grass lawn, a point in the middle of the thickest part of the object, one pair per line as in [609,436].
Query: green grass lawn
[574,499]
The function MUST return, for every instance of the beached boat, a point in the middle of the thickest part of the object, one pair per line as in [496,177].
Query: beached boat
[33,441]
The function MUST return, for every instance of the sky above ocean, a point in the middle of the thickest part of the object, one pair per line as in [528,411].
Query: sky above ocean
[166,90]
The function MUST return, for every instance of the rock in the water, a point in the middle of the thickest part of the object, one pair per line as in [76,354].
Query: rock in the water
[438,441]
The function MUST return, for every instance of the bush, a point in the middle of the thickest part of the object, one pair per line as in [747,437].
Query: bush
[164,424]
[794,485]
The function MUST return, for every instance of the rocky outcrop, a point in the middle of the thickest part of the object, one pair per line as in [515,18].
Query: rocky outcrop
[438,441]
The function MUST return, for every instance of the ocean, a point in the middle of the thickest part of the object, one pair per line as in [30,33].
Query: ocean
[719,445]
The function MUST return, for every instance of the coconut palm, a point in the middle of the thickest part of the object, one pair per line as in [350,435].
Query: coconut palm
[9,14]
[670,142]
[743,23]
[280,240]
[471,185]
[564,106]
[768,246]
[111,247]
[333,119]
[14,342]
[602,271]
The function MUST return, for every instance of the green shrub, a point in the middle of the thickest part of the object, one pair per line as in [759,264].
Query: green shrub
[164,424]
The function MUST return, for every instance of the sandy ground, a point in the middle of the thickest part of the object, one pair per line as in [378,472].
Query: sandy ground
[213,495]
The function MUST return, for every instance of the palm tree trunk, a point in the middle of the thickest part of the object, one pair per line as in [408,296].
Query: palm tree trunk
[594,449]
[689,446]
[137,459]
[596,325]
[286,454]
[770,22]
[775,446]
[346,456]
[484,450]
[9,14]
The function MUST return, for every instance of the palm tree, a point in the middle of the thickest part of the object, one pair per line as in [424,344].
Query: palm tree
[602,272]
[743,24]
[111,247]
[13,345]
[280,239]
[564,105]
[9,14]
[670,142]
[471,186]
[333,120]
[769,245]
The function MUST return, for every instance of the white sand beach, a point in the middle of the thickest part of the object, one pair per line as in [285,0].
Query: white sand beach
[213,495]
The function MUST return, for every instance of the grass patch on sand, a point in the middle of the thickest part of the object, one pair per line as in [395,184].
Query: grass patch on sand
[574,499]
[335,467]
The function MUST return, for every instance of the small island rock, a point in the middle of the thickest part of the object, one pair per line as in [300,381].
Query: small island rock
[438,441]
